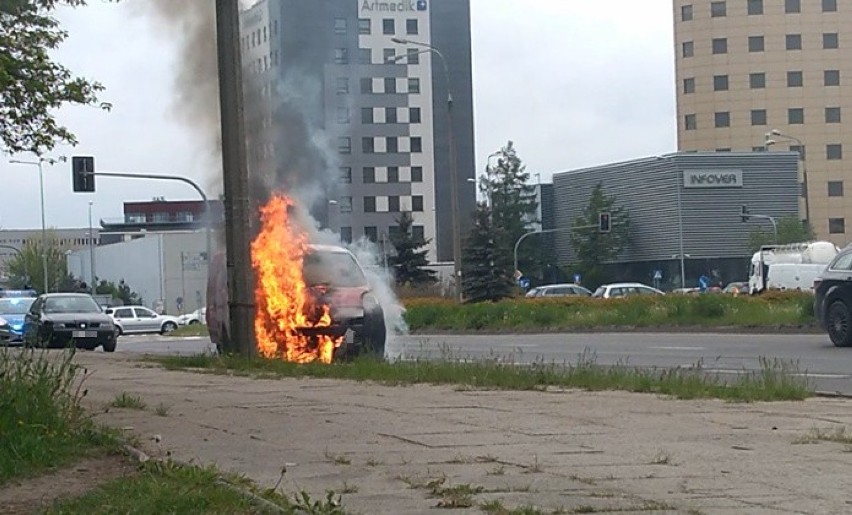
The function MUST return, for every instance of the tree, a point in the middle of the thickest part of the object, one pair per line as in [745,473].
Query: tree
[409,263]
[513,207]
[486,267]
[32,85]
[27,268]
[120,291]
[592,247]
[790,230]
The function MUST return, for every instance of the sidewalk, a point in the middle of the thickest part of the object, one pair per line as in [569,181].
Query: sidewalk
[588,452]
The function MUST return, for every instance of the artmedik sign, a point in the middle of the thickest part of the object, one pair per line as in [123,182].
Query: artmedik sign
[712,178]
[394,7]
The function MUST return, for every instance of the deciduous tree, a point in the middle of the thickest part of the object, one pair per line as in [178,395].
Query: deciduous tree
[592,247]
[790,230]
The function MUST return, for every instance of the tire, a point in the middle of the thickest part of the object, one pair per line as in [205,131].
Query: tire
[194,322]
[168,327]
[109,346]
[117,332]
[375,336]
[838,323]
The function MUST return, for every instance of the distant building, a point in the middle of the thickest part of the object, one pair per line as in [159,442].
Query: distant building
[160,215]
[13,241]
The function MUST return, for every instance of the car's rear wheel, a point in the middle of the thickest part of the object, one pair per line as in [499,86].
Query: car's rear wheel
[838,321]
[168,327]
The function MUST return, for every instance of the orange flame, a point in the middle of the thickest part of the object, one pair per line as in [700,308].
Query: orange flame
[285,306]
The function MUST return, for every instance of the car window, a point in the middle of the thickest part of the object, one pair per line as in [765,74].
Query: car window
[36,307]
[69,304]
[123,313]
[559,291]
[145,313]
[15,306]
[599,292]
[645,291]
[616,292]
[842,262]
[332,268]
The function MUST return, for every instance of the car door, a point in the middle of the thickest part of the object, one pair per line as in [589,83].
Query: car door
[148,320]
[125,319]
[32,320]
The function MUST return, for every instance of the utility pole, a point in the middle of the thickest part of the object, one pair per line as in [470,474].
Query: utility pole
[235,174]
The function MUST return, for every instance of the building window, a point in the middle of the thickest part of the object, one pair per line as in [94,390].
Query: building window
[755,6]
[761,148]
[718,9]
[800,149]
[369,204]
[720,45]
[720,83]
[837,226]
[688,48]
[368,145]
[416,145]
[345,204]
[341,56]
[829,6]
[367,115]
[416,174]
[343,115]
[830,40]
[796,116]
[794,41]
[689,85]
[417,203]
[390,85]
[393,174]
[689,122]
[758,117]
[371,233]
[418,233]
[413,85]
[686,13]
[366,85]
[834,152]
[392,145]
[795,79]
[364,26]
[723,119]
[343,85]
[411,27]
[389,55]
[346,234]
[755,44]
[369,174]
[757,80]
[831,77]
[393,204]
[340,25]
[792,6]
[414,115]
[388,27]
[365,56]
[346,175]
[832,115]
[344,145]
[835,188]
[726,149]
[390,115]
[413,56]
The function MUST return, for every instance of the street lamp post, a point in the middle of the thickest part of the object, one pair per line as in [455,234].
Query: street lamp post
[679,186]
[50,161]
[769,142]
[92,251]
[454,193]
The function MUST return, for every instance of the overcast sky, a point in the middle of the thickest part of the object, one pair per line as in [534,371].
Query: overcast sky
[573,83]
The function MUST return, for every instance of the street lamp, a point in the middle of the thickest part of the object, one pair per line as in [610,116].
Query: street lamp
[51,161]
[454,193]
[769,142]
[92,251]
[679,186]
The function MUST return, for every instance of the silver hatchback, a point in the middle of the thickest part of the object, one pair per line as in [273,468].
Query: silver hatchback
[140,320]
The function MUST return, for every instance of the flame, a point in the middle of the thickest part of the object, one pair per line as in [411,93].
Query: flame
[285,305]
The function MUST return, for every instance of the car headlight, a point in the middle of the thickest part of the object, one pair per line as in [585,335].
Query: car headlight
[370,302]
[4,322]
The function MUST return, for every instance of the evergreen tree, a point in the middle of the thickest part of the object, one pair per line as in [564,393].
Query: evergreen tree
[486,267]
[591,247]
[409,262]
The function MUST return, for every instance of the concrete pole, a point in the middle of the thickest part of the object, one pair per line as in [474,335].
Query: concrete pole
[43,229]
[92,252]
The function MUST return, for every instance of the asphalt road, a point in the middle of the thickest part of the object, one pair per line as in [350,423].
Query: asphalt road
[829,368]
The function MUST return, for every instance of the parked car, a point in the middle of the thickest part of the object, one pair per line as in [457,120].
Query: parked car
[12,312]
[199,316]
[140,320]
[736,288]
[559,290]
[56,320]
[616,290]
[833,299]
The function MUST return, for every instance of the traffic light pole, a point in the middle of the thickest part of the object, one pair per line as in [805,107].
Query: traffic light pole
[545,231]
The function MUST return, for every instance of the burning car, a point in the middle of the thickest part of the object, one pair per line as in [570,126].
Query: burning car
[313,302]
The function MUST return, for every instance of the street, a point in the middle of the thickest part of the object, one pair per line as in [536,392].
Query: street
[829,368]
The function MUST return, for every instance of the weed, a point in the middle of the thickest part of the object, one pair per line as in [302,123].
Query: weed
[584,480]
[661,459]
[349,489]
[816,435]
[458,496]
[535,467]
[126,400]
[373,462]
[338,459]
[497,471]
[331,505]
[496,508]
[162,410]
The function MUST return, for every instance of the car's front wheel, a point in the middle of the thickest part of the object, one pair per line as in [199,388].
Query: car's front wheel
[375,335]
[168,328]
[109,345]
[838,321]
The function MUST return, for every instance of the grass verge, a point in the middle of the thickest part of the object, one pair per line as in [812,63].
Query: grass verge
[41,422]
[773,382]
[190,330]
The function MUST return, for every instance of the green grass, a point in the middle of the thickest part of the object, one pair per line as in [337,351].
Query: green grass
[41,422]
[129,401]
[769,310]
[190,330]
[772,383]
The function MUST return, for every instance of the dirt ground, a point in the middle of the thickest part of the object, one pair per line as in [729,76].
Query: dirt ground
[408,450]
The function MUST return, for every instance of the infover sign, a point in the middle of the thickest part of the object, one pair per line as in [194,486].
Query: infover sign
[394,7]
[712,179]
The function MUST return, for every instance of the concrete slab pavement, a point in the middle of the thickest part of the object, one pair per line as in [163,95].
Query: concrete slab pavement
[400,450]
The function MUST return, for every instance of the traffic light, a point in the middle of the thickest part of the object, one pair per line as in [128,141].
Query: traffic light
[83,173]
[744,213]
[604,224]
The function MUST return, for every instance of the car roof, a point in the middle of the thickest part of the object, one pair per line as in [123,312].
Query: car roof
[55,295]
[560,285]
[328,248]
[620,285]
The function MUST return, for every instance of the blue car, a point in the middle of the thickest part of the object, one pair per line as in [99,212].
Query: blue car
[12,311]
